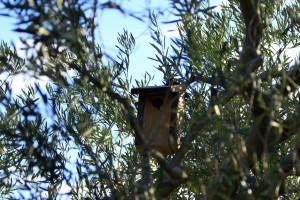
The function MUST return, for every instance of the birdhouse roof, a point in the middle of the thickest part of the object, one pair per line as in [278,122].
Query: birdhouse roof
[158,89]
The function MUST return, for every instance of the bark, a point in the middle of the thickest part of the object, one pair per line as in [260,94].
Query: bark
[271,186]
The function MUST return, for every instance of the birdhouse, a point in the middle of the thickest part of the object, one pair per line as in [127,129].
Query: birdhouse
[160,114]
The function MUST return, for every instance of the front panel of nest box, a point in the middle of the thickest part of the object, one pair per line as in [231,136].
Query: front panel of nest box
[157,119]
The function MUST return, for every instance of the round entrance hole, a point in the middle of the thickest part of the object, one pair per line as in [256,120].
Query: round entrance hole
[157,102]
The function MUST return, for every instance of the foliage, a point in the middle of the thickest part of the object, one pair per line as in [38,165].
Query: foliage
[74,137]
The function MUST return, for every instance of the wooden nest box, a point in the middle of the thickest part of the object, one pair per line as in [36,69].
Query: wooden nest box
[160,114]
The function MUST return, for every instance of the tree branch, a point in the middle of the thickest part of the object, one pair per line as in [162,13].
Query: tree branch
[173,177]
[272,183]
[115,96]
[227,180]
[250,58]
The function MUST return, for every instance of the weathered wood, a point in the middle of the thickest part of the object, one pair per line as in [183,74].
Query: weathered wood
[158,89]
[160,110]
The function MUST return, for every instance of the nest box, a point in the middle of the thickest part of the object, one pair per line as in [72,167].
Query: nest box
[160,114]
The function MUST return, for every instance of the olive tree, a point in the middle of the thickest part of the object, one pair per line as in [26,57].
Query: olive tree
[74,137]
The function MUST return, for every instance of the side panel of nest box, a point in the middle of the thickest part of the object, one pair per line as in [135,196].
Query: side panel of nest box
[160,116]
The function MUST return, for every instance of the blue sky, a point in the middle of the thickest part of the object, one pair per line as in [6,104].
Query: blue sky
[6,32]
[111,22]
